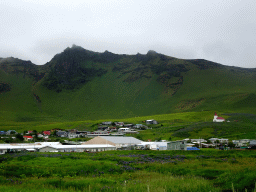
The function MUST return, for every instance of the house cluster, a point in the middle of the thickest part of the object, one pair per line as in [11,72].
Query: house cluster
[105,143]
[111,136]
[109,128]
[106,128]
[96,144]
[218,143]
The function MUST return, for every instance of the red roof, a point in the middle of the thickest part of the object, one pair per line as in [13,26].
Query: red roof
[30,131]
[220,118]
[215,114]
[29,137]
[47,132]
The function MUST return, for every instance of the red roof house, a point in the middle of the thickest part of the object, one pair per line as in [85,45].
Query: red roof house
[47,132]
[27,138]
[218,119]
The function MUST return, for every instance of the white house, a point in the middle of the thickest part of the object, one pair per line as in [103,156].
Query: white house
[218,119]
[124,129]
[151,121]
[153,145]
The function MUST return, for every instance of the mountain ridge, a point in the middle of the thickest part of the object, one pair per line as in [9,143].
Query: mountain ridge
[78,83]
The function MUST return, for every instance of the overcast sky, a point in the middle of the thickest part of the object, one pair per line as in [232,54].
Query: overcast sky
[222,31]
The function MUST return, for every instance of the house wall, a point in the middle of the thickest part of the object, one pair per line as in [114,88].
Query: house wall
[47,149]
[178,145]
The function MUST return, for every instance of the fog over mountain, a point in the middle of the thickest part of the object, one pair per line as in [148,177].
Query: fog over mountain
[220,31]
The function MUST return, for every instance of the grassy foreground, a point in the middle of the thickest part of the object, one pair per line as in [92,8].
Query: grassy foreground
[207,170]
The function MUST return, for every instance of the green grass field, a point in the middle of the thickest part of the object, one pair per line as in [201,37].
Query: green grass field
[206,170]
[171,126]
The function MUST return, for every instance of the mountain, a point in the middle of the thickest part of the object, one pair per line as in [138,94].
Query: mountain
[82,84]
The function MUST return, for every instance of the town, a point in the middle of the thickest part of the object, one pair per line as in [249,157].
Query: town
[109,136]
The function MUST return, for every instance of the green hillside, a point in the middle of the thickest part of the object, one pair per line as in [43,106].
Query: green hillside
[78,84]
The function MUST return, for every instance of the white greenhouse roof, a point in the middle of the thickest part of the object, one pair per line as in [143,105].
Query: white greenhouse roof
[119,140]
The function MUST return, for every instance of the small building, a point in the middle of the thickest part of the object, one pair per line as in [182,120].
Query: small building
[72,135]
[107,123]
[46,133]
[138,126]
[198,141]
[40,135]
[215,140]
[152,121]
[2,133]
[62,134]
[27,138]
[252,144]
[177,145]
[218,119]
[223,140]
[111,129]
[97,133]
[241,142]
[29,132]
[121,124]
[124,129]
[154,145]
[9,132]
[81,133]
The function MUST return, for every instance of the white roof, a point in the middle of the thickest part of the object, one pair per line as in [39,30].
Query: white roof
[31,144]
[79,146]
[162,144]
[48,143]
[30,147]
[120,140]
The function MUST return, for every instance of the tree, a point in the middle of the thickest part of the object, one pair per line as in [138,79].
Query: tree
[12,132]
[55,133]
[231,144]
[19,137]
[158,139]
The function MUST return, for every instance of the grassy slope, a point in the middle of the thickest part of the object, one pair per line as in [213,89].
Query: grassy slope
[220,90]
[109,97]
[20,100]
[104,97]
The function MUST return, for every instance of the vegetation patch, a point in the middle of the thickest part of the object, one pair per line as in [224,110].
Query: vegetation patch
[205,170]
[70,76]
[4,87]
[189,104]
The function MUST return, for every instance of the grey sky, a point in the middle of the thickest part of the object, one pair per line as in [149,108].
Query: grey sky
[216,30]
